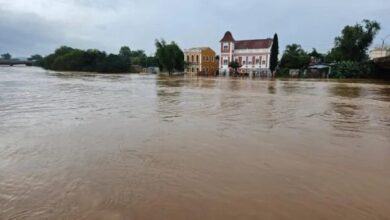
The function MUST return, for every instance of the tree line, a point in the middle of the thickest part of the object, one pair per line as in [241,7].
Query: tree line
[93,60]
[5,56]
[348,56]
[168,57]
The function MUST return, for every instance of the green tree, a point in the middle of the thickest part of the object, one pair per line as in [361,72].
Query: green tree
[125,56]
[125,51]
[69,59]
[235,65]
[92,58]
[139,57]
[294,57]
[354,41]
[36,59]
[151,61]
[48,61]
[315,56]
[63,50]
[169,57]
[6,56]
[347,69]
[113,64]
[274,53]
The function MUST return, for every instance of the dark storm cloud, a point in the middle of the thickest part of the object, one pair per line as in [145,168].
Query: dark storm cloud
[26,33]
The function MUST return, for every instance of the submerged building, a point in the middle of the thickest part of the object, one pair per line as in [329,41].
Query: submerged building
[201,60]
[253,56]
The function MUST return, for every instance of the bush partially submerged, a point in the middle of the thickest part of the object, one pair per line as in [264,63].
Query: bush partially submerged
[351,69]
[70,59]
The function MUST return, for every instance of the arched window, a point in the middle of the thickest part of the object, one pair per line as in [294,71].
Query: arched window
[197,58]
[192,58]
[188,58]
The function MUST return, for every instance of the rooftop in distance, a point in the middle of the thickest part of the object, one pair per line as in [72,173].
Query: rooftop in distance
[247,44]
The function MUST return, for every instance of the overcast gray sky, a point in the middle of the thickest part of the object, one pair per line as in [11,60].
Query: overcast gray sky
[39,26]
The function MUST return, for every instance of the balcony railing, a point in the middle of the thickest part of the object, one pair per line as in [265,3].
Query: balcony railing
[193,63]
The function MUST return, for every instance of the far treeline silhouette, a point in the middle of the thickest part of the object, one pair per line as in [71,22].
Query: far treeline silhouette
[93,60]
[169,57]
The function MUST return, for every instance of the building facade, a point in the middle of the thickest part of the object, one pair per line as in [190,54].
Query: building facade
[201,61]
[379,52]
[252,55]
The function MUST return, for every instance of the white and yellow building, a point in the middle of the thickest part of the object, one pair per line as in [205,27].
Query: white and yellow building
[253,55]
[201,61]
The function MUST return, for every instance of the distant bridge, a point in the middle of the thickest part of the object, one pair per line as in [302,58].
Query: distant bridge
[15,62]
[383,62]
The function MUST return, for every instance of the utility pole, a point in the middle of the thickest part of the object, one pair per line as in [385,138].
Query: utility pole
[383,44]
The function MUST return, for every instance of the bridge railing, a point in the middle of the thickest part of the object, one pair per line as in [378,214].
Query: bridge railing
[15,62]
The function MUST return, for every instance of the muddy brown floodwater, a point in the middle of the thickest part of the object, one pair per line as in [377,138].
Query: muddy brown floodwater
[88,146]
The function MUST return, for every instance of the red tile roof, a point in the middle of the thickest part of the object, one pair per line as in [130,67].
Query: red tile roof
[228,37]
[253,44]
[247,44]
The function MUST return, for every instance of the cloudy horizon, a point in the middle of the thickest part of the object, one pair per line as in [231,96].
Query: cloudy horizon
[30,27]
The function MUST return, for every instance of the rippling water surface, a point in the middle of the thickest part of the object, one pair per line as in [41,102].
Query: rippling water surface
[88,146]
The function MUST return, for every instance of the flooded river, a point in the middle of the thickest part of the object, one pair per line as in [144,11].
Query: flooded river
[87,146]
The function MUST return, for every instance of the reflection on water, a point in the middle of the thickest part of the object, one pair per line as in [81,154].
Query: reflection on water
[347,116]
[381,94]
[345,90]
[90,146]
[272,87]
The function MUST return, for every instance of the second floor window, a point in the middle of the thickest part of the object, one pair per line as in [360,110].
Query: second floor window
[225,46]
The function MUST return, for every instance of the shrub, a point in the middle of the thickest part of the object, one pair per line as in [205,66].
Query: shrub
[352,69]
